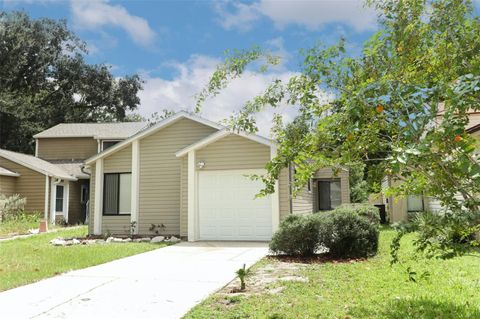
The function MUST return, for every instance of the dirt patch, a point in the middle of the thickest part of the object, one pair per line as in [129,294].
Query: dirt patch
[264,280]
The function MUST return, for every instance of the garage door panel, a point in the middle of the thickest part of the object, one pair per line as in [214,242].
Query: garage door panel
[228,209]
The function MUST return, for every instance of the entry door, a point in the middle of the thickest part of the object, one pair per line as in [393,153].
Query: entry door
[228,209]
[324,202]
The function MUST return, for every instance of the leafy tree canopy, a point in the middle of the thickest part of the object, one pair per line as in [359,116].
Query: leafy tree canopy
[44,81]
[381,108]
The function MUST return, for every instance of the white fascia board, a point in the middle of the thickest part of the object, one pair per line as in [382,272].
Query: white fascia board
[162,124]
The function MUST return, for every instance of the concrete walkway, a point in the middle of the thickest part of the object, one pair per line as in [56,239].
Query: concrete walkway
[164,283]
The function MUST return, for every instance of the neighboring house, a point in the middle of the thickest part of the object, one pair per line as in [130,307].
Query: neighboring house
[54,181]
[191,176]
[400,208]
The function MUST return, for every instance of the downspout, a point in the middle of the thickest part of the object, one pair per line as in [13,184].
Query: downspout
[290,193]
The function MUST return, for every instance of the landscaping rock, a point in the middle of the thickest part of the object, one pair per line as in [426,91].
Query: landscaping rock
[173,239]
[58,242]
[92,241]
[117,240]
[109,240]
[157,239]
[33,231]
[127,240]
[76,241]
[100,241]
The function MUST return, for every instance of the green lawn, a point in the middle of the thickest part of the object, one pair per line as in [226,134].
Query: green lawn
[19,226]
[368,289]
[26,260]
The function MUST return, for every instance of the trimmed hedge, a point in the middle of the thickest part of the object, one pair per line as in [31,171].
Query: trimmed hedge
[296,236]
[348,234]
[348,231]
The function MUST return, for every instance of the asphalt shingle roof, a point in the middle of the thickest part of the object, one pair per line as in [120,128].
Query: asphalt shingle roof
[117,130]
[36,164]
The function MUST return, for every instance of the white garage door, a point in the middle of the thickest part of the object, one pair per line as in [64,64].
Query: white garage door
[228,209]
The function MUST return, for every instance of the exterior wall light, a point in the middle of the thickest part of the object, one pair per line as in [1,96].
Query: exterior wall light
[201,164]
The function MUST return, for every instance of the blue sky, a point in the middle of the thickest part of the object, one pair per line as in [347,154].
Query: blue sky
[175,45]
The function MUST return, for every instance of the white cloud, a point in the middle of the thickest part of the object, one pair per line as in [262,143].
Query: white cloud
[310,14]
[179,92]
[95,14]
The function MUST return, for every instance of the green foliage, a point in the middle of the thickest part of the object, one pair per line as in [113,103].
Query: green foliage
[242,273]
[368,211]
[439,235]
[348,231]
[359,189]
[44,80]
[297,236]
[381,107]
[347,234]
[11,207]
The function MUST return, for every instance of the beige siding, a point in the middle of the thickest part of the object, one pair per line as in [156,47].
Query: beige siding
[184,196]
[284,194]
[160,173]
[234,152]
[8,185]
[116,224]
[75,208]
[91,219]
[66,148]
[303,200]
[30,184]
[119,162]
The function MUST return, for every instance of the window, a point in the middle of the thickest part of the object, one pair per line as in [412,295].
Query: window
[59,199]
[83,193]
[117,194]
[329,194]
[415,203]
[108,144]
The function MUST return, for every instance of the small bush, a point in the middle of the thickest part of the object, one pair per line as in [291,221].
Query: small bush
[297,236]
[348,234]
[366,210]
[11,207]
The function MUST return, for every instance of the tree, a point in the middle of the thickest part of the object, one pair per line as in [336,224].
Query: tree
[381,108]
[44,81]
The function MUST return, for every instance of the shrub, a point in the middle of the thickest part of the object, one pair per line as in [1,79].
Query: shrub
[297,236]
[11,206]
[348,234]
[366,210]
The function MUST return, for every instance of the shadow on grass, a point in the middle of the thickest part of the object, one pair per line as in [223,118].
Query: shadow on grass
[423,308]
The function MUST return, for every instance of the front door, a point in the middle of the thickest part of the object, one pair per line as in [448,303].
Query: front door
[324,202]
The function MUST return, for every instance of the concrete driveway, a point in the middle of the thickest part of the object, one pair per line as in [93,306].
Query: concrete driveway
[164,283]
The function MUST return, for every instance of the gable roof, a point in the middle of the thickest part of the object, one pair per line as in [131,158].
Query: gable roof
[36,164]
[154,128]
[218,136]
[7,172]
[116,130]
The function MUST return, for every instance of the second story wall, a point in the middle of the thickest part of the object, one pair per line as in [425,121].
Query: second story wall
[77,148]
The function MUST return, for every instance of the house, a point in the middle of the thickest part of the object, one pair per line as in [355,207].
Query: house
[400,208]
[54,181]
[190,176]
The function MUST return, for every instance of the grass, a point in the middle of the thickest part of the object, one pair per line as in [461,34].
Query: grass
[364,289]
[26,260]
[19,225]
